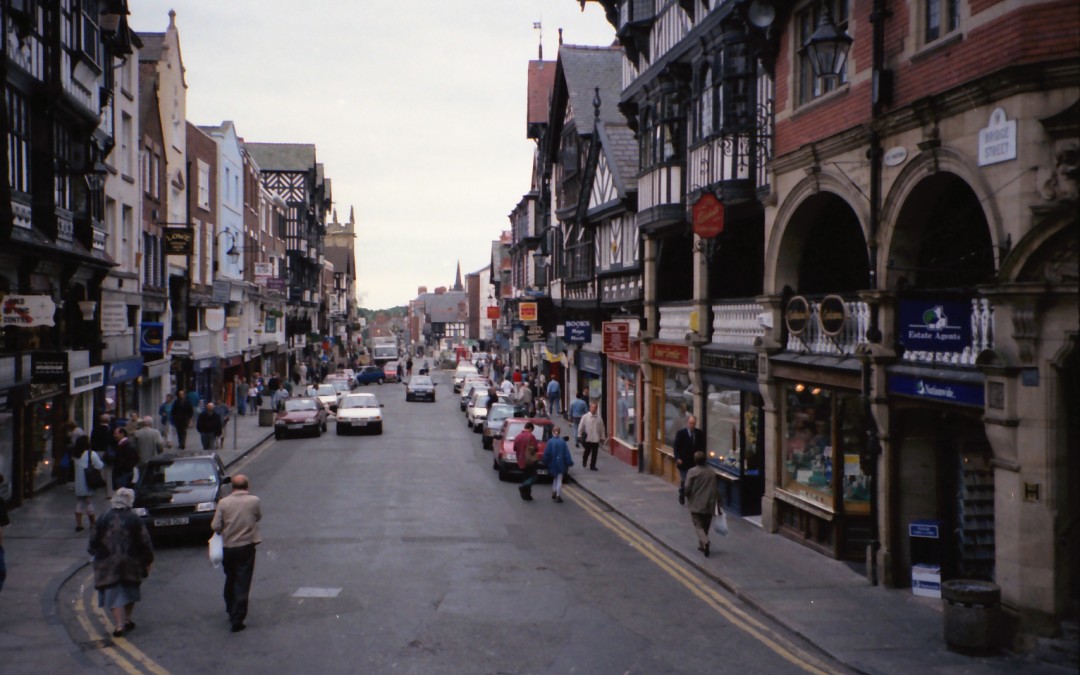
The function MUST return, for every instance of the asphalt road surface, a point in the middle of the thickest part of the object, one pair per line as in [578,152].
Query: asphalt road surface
[403,553]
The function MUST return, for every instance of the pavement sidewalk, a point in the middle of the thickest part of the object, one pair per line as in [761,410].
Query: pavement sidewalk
[870,629]
[43,551]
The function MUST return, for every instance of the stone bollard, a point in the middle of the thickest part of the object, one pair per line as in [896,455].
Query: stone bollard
[972,610]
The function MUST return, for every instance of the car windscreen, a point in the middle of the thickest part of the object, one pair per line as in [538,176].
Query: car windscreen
[327,390]
[300,404]
[359,402]
[421,381]
[499,412]
[180,473]
[340,385]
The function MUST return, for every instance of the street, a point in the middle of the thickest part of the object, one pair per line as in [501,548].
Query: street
[404,553]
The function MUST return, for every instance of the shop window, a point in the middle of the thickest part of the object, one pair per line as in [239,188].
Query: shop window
[732,422]
[823,433]
[624,427]
[678,402]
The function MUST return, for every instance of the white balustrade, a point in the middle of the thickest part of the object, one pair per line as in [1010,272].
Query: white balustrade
[814,340]
[674,321]
[736,323]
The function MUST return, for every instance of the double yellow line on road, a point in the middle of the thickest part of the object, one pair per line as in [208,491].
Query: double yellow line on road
[120,651]
[712,597]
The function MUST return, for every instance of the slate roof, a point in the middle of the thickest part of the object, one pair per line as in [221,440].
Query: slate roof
[151,49]
[282,156]
[448,307]
[620,147]
[340,257]
[584,69]
[541,80]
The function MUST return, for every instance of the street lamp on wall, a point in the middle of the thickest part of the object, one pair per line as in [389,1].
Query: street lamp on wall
[828,47]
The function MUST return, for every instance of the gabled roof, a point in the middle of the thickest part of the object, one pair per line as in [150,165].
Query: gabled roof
[583,70]
[282,156]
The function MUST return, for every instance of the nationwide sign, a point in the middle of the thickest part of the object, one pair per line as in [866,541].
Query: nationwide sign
[26,311]
[960,393]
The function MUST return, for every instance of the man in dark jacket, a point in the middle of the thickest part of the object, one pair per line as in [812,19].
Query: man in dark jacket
[209,427]
[182,413]
[101,442]
[687,442]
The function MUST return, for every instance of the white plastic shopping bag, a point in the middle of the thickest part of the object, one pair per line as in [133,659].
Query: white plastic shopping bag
[216,550]
[720,524]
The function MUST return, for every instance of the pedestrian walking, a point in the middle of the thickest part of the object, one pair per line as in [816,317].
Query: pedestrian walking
[225,414]
[688,440]
[524,398]
[241,396]
[165,418]
[103,443]
[126,464]
[526,450]
[592,433]
[237,521]
[253,401]
[147,440]
[123,556]
[4,522]
[578,407]
[208,425]
[558,459]
[701,494]
[554,395]
[82,458]
[408,367]
[182,413]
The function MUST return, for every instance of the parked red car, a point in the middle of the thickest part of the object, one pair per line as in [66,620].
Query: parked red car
[300,415]
[505,461]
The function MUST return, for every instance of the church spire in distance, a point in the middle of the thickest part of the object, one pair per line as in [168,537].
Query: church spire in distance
[457,279]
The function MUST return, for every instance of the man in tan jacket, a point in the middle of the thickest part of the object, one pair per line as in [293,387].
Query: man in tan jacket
[237,521]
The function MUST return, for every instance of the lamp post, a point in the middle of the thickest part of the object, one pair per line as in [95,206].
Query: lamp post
[827,50]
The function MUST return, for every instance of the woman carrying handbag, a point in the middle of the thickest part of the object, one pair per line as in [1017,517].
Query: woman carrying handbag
[83,459]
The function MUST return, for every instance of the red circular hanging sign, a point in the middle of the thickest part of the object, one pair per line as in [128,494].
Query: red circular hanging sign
[708,213]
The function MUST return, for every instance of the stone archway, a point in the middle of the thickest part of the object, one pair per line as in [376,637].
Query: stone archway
[823,249]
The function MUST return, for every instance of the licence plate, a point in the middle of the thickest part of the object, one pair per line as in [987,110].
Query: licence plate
[359,423]
[541,472]
[165,522]
[296,426]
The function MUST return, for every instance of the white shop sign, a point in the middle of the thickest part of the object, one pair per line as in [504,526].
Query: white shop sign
[997,142]
[114,318]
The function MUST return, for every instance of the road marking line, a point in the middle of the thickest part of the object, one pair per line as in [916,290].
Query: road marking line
[94,636]
[711,596]
[131,652]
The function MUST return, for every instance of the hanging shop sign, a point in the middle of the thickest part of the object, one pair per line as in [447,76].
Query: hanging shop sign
[797,315]
[832,313]
[263,271]
[123,371]
[114,317]
[708,214]
[222,290]
[577,332]
[179,240]
[617,338]
[215,319]
[86,379]
[960,393]
[275,284]
[27,311]
[669,354]
[535,333]
[180,347]
[935,325]
[528,311]
[271,324]
[152,337]
[997,141]
[49,368]
[590,362]
[493,312]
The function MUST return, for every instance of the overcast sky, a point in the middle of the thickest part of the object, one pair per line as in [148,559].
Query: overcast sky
[417,109]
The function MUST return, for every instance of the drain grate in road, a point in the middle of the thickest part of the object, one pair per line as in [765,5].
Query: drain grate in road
[313,592]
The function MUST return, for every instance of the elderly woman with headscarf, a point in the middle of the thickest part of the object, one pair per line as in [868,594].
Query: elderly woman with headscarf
[123,554]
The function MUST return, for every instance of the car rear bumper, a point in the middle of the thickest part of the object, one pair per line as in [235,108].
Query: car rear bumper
[167,525]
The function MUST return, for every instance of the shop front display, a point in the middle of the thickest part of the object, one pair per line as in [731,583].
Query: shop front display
[733,423]
[590,373]
[824,494]
[672,402]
